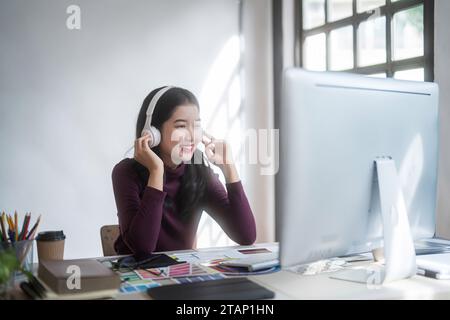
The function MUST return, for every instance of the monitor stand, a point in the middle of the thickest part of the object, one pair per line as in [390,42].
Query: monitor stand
[399,252]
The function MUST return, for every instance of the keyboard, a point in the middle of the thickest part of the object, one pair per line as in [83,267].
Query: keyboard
[223,289]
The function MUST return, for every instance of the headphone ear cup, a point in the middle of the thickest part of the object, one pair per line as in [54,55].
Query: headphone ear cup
[155,137]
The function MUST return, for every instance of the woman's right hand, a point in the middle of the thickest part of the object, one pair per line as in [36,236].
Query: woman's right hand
[145,156]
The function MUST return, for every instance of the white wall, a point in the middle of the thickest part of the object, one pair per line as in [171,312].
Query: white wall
[258,100]
[69,99]
[442,75]
[288,14]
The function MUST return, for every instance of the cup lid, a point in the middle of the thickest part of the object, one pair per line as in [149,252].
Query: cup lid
[50,236]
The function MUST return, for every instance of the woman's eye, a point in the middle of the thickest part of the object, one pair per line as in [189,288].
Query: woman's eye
[182,126]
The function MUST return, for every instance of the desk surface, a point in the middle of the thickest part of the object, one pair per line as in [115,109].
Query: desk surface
[290,285]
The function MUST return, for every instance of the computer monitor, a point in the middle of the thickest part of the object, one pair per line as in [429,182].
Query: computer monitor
[332,128]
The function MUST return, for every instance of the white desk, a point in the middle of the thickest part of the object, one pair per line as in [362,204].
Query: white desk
[290,285]
[294,286]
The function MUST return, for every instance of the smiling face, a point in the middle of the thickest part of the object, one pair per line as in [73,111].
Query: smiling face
[180,135]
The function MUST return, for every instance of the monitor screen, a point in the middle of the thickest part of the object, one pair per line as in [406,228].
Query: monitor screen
[332,128]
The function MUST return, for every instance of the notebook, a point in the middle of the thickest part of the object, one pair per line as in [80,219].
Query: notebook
[60,277]
[434,265]
[224,289]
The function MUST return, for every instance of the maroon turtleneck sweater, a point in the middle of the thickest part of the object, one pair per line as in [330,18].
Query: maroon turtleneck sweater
[146,226]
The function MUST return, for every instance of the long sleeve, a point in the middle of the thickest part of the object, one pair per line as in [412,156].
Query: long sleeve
[231,210]
[139,218]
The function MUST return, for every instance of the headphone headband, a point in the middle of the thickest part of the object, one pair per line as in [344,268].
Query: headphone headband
[152,105]
[155,99]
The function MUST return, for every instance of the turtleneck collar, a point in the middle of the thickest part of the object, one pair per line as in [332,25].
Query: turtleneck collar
[175,172]
[172,179]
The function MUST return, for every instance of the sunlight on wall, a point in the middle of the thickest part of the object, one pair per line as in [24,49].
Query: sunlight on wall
[221,113]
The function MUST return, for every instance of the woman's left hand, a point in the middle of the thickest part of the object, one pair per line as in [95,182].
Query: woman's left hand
[217,151]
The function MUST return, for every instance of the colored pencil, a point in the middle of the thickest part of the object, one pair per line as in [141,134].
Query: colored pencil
[16,226]
[2,223]
[10,223]
[33,230]
[25,228]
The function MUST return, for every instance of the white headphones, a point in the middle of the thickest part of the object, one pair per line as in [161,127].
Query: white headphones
[155,135]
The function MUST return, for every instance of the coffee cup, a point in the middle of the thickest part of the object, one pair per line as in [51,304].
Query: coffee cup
[50,245]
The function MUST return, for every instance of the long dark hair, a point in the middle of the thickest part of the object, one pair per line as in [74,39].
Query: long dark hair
[194,179]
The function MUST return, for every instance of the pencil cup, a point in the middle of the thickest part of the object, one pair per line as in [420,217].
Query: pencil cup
[50,245]
[24,253]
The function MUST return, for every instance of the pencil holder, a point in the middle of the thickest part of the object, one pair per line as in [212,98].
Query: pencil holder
[24,253]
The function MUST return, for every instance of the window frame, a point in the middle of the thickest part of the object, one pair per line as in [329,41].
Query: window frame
[388,10]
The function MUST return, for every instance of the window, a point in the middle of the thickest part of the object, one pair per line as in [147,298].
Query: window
[379,38]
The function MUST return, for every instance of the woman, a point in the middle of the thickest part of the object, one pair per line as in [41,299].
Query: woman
[161,193]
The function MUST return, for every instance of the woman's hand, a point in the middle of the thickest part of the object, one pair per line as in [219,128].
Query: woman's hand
[219,153]
[145,156]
